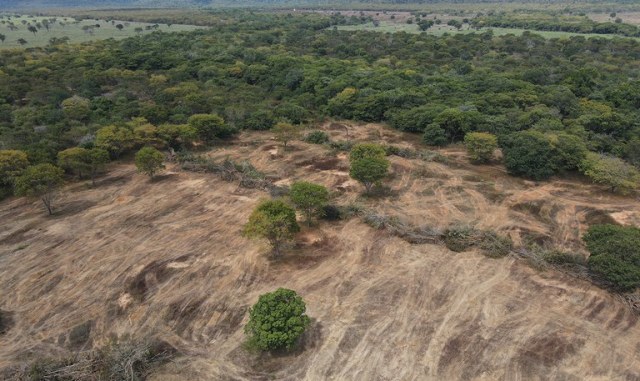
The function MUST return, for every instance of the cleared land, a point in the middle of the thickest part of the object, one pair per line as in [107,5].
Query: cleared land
[165,258]
[73,30]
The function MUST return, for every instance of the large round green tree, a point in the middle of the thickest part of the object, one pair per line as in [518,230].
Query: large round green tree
[277,320]
[40,181]
[308,197]
[273,220]
[149,161]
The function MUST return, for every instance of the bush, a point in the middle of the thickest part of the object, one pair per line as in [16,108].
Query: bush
[317,137]
[210,127]
[480,146]
[276,321]
[611,171]
[40,181]
[367,150]
[615,254]
[309,198]
[529,154]
[434,135]
[495,246]
[369,171]
[460,238]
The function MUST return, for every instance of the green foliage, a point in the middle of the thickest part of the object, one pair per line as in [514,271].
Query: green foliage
[177,135]
[317,137]
[615,254]
[367,150]
[285,132]
[74,159]
[529,154]
[611,171]
[272,220]
[40,181]
[76,108]
[434,135]
[309,198]
[369,170]
[480,146]
[277,320]
[12,164]
[210,127]
[570,150]
[149,161]
[97,159]
[114,139]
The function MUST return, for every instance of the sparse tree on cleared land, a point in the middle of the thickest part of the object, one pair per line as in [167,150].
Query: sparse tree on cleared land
[120,26]
[480,146]
[40,181]
[309,198]
[277,320]
[149,161]
[286,132]
[272,220]
[368,164]
[22,41]
[2,37]
[97,158]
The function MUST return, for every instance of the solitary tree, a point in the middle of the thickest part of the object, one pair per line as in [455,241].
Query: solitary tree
[364,150]
[309,197]
[120,26]
[33,29]
[369,171]
[480,146]
[40,181]
[22,41]
[149,161]
[286,132]
[277,320]
[611,171]
[272,220]
[2,37]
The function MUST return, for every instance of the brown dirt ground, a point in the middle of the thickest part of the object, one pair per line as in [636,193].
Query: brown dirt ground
[164,258]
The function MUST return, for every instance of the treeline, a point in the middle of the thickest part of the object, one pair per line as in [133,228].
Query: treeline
[264,68]
[545,22]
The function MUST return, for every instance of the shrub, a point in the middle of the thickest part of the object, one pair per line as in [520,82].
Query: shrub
[210,127]
[149,161]
[480,146]
[495,246]
[615,254]
[273,220]
[276,321]
[317,137]
[434,135]
[285,132]
[529,154]
[460,238]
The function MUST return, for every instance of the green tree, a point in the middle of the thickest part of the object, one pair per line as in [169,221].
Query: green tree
[149,161]
[611,171]
[76,108]
[434,135]
[570,150]
[97,158]
[176,135]
[366,150]
[480,146]
[114,139]
[285,132]
[277,320]
[615,254]
[40,181]
[12,164]
[74,159]
[272,220]
[2,37]
[529,154]
[210,127]
[369,171]
[309,197]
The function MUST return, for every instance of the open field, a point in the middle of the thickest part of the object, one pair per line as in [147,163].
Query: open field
[164,258]
[438,30]
[73,30]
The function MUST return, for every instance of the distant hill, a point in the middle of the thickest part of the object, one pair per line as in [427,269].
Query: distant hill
[17,4]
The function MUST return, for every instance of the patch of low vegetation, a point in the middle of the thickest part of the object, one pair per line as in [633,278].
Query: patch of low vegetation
[244,172]
[125,360]
[317,137]
[461,238]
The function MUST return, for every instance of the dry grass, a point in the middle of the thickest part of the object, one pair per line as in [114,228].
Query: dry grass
[165,259]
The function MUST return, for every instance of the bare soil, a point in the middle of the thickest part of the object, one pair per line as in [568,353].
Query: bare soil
[165,258]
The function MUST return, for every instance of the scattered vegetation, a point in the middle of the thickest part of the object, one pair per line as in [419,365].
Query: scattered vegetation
[274,221]
[149,161]
[40,181]
[309,198]
[480,146]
